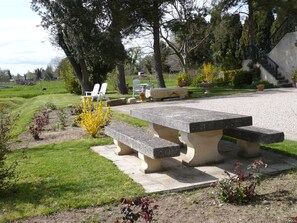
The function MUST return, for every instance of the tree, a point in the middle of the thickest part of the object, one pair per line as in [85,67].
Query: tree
[38,73]
[48,73]
[185,30]
[5,75]
[152,13]
[78,27]
[226,38]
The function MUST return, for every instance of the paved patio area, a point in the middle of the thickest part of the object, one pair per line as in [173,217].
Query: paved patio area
[177,177]
[274,109]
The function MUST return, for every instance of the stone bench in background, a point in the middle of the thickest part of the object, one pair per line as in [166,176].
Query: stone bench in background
[158,94]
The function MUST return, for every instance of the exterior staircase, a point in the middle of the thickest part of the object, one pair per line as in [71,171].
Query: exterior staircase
[261,54]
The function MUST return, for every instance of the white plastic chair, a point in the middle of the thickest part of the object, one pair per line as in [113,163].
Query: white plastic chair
[95,92]
[136,86]
[102,92]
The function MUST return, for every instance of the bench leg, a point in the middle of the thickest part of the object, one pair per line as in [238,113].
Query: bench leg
[202,147]
[248,149]
[149,165]
[122,149]
[165,133]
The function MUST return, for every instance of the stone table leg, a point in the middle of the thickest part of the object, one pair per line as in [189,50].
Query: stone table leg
[165,133]
[248,149]
[149,165]
[202,147]
[122,149]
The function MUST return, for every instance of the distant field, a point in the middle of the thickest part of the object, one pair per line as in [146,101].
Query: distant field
[40,88]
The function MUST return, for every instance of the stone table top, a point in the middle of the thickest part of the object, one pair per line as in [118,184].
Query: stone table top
[191,119]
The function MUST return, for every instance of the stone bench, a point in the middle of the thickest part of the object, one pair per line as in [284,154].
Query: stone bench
[158,94]
[249,139]
[151,149]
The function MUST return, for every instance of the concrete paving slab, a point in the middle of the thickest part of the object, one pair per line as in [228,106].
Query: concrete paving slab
[177,177]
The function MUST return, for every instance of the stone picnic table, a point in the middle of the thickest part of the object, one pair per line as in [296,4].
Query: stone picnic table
[201,130]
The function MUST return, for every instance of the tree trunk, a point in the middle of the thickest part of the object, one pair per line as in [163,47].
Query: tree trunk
[121,79]
[251,27]
[86,85]
[157,51]
[80,68]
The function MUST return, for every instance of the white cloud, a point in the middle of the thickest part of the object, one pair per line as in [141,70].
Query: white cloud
[23,46]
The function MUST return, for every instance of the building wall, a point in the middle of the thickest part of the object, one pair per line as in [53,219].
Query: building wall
[285,54]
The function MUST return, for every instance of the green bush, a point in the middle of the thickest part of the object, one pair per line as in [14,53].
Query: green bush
[66,73]
[266,84]
[242,79]
[185,78]
[197,80]
[112,80]
[6,171]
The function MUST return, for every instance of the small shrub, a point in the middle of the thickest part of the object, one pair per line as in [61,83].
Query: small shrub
[112,79]
[50,106]
[37,126]
[228,77]
[197,80]
[294,75]
[92,118]
[293,220]
[242,79]
[76,109]
[62,118]
[138,208]
[6,171]
[240,187]
[184,78]
[209,72]
[265,83]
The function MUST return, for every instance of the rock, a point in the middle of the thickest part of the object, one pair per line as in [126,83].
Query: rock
[115,102]
[131,100]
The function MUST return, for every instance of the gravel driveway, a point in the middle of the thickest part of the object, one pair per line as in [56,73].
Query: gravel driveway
[274,108]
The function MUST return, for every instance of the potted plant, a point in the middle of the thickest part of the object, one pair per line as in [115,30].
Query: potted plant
[294,78]
[260,87]
[190,94]
[183,79]
[142,96]
[181,83]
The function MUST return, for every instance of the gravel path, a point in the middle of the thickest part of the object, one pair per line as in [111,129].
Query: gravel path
[274,108]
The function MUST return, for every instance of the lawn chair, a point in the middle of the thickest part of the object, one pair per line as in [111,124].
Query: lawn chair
[136,86]
[102,92]
[95,92]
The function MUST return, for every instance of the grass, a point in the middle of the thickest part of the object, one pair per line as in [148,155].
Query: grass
[27,108]
[40,88]
[287,147]
[60,176]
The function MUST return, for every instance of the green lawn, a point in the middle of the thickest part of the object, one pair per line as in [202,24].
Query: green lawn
[40,88]
[61,176]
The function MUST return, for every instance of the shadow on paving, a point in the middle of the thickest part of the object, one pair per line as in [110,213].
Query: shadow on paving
[178,177]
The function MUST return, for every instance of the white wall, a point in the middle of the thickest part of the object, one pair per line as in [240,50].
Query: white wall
[285,54]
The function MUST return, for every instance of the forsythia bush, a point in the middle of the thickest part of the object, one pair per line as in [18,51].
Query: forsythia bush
[209,72]
[92,118]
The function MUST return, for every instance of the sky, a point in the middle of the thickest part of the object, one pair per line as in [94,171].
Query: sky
[23,45]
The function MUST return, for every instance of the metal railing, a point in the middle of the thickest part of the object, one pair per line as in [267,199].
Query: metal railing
[287,26]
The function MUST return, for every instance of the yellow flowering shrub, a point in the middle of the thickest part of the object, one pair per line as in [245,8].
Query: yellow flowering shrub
[209,72]
[93,118]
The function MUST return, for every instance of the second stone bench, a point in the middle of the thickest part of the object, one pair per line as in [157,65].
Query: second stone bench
[249,139]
